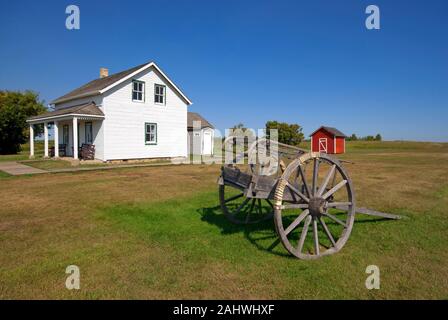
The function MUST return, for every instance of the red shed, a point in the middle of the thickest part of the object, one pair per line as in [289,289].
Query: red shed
[328,140]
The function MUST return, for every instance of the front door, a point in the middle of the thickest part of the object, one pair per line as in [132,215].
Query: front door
[207,143]
[88,134]
[323,145]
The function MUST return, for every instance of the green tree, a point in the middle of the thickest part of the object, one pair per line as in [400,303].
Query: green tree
[353,137]
[378,137]
[241,130]
[15,108]
[239,126]
[287,133]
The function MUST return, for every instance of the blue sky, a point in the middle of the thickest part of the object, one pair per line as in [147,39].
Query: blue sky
[305,62]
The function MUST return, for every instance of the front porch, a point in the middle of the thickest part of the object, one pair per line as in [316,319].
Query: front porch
[76,131]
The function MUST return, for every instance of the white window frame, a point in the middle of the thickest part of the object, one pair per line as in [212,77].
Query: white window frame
[142,91]
[154,126]
[163,95]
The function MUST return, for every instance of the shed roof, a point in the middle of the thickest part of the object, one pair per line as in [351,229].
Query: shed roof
[86,109]
[335,132]
[193,116]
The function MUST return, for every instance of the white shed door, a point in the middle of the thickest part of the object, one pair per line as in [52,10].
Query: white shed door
[323,145]
[207,144]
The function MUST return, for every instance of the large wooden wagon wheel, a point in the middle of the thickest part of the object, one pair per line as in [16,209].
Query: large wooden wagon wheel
[319,220]
[236,206]
[241,210]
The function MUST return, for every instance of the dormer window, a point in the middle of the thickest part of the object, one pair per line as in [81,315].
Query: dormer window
[159,93]
[138,91]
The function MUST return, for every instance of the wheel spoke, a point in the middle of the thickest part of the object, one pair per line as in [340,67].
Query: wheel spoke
[326,180]
[294,206]
[335,219]
[297,192]
[242,205]
[327,232]
[270,203]
[296,222]
[334,189]
[250,210]
[316,237]
[234,197]
[306,225]
[307,188]
[315,175]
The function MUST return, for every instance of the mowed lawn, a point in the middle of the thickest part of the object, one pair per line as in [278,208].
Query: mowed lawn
[158,232]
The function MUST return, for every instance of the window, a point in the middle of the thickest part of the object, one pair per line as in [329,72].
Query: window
[88,132]
[65,134]
[159,94]
[150,133]
[138,91]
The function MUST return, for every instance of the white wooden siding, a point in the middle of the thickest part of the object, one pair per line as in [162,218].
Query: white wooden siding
[198,148]
[124,126]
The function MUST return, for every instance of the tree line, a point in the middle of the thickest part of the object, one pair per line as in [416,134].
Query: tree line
[354,137]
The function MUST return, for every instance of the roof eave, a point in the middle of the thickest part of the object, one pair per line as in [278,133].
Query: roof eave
[68,115]
[85,95]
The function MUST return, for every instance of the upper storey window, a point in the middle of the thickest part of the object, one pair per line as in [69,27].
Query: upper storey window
[159,93]
[138,91]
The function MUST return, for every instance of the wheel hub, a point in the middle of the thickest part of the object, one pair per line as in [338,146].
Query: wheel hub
[317,206]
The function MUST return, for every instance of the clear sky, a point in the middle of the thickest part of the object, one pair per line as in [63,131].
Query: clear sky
[307,62]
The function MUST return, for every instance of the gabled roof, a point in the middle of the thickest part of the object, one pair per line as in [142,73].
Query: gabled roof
[193,116]
[101,85]
[335,132]
[86,109]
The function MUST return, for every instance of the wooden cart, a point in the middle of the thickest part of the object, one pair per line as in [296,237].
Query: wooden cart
[311,199]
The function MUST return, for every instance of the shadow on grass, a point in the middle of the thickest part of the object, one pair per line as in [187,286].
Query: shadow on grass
[263,235]
[257,234]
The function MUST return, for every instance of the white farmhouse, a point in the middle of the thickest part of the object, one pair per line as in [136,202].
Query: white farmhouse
[134,114]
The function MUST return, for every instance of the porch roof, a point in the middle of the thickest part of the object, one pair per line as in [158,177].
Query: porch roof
[83,111]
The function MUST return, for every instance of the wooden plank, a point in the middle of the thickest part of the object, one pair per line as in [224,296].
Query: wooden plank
[371,212]
[375,213]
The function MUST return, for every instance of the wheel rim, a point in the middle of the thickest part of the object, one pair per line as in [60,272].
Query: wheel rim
[242,210]
[319,220]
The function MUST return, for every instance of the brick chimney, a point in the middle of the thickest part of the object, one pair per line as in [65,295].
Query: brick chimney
[104,72]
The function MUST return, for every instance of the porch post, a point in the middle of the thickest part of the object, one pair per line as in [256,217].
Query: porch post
[56,139]
[31,141]
[75,137]
[46,139]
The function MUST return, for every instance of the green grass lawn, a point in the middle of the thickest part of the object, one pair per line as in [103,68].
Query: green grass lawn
[158,232]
